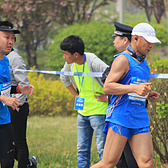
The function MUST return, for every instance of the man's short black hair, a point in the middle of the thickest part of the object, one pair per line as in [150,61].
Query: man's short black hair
[72,44]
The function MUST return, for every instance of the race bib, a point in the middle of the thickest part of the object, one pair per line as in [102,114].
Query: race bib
[135,96]
[79,103]
[5,89]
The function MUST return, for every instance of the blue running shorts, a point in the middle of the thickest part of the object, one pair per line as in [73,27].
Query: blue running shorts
[127,132]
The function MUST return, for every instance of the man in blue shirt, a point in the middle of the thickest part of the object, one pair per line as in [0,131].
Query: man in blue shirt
[7,39]
[127,117]
[122,38]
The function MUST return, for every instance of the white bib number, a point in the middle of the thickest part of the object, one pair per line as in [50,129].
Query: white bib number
[5,89]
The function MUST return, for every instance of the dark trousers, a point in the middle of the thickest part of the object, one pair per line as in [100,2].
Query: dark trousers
[127,159]
[19,126]
[6,147]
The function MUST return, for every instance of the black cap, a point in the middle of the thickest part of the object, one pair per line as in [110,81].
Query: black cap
[8,26]
[122,30]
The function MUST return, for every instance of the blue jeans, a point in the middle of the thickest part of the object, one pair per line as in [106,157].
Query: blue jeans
[85,127]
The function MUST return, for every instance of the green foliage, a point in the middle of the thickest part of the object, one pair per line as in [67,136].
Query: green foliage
[154,57]
[159,112]
[162,110]
[128,18]
[160,66]
[157,162]
[49,97]
[97,39]
[161,33]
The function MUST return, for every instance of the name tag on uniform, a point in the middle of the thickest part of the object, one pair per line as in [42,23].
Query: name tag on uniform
[79,103]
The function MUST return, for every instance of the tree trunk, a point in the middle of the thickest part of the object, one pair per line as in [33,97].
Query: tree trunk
[148,14]
[166,9]
[28,54]
[34,59]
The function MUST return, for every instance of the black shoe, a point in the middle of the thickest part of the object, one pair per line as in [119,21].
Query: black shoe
[32,162]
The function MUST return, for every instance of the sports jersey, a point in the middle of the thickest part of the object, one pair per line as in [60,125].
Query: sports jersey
[129,110]
[5,86]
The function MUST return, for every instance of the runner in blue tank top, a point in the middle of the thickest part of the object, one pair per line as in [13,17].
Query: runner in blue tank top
[129,110]
[127,117]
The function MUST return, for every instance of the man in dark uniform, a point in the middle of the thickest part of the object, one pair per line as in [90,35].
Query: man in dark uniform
[122,30]
[122,37]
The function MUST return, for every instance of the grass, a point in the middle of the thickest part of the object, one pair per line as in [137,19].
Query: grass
[53,141]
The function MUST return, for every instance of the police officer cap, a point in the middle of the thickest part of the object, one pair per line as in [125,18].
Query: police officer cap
[8,26]
[122,30]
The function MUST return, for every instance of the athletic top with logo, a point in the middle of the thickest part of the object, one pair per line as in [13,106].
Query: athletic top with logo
[129,110]
[5,87]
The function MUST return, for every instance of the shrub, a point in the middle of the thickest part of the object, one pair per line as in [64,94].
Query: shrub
[161,33]
[49,97]
[159,112]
